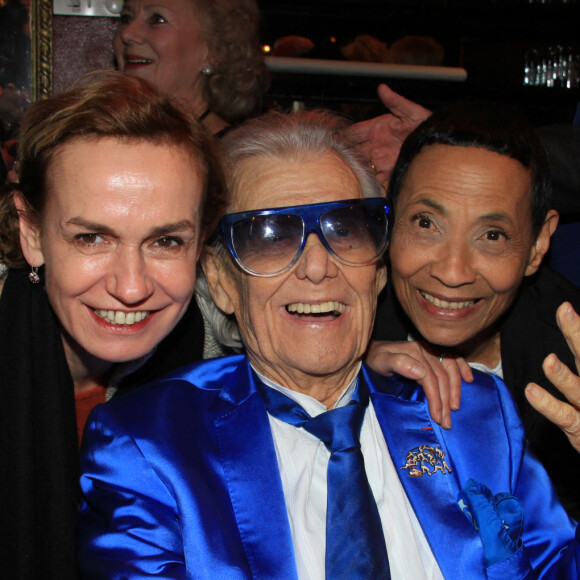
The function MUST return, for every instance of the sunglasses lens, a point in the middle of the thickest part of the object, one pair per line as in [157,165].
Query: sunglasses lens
[357,234]
[267,244]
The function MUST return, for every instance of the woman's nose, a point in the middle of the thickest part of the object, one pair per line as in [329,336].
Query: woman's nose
[131,32]
[453,265]
[316,263]
[129,279]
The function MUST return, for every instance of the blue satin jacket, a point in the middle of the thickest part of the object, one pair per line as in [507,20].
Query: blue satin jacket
[180,480]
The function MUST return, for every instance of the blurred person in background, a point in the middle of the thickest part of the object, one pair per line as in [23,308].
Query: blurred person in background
[204,53]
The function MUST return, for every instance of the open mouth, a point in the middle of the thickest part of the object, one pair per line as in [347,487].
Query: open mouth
[136,61]
[122,318]
[332,307]
[448,305]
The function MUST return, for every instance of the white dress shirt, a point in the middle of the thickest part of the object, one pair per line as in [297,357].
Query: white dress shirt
[303,460]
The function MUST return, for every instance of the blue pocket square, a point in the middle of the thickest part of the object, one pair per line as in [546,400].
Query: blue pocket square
[499,519]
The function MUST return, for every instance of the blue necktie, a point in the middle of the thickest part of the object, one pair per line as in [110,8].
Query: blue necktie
[355,544]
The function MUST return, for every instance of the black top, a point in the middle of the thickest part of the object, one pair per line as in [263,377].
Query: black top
[562,145]
[529,333]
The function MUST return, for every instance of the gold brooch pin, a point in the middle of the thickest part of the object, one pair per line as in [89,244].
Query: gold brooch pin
[426,460]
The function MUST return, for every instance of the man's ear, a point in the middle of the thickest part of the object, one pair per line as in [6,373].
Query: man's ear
[29,233]
[220,280]
[542,243]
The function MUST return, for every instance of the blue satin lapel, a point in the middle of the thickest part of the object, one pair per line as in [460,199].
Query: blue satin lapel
[253,479]
[406,425]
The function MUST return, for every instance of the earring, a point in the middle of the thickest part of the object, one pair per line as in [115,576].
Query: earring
[33,275]
[207,70]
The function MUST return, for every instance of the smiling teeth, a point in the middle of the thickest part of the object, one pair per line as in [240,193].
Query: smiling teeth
[122,318]
[323,308]
[447,305]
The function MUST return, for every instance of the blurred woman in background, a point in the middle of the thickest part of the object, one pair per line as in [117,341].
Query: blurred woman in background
[204,53]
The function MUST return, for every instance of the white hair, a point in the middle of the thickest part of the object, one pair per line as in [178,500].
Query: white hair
[302,135]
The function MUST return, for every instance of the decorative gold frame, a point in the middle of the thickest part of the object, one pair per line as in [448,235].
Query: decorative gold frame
[41,48]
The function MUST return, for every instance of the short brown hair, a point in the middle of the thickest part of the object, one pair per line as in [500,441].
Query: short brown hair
[103,104]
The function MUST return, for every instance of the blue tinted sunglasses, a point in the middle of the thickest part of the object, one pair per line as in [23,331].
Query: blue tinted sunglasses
[267,242]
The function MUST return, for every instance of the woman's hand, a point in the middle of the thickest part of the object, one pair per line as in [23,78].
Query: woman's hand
[440,377]
[381,138]
[565,415]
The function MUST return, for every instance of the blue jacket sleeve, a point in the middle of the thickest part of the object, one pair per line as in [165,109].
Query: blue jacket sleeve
[128,523]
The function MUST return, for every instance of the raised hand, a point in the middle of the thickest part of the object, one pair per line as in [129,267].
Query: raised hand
[440,377]
[381,138]
[564,414]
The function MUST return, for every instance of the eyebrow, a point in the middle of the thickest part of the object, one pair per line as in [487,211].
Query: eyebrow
[496,217]
[430,203]
[162,229]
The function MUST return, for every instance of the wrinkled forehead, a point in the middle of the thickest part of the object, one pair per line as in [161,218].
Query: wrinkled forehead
[265,182]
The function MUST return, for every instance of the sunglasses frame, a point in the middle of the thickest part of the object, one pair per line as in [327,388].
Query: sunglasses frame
[310,215]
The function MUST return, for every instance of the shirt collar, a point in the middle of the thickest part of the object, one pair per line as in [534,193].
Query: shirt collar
[308,403]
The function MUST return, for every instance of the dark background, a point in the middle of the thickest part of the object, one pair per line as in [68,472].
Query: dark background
[488,38]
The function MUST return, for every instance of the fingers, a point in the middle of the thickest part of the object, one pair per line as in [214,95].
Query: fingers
[396,103]
[381,356]
[441,380]
[400,106]
[379,139]
[447,388]
[405,365]
[465,370]
[360,132]
[435,381]
[401,109]
[438,390]
[457,369]
[563,379]
[569,323]
[564,415]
